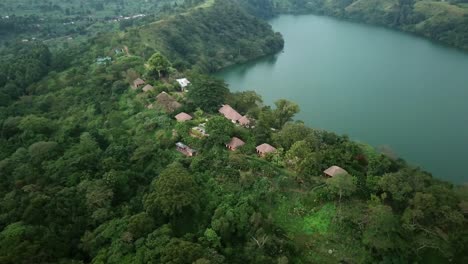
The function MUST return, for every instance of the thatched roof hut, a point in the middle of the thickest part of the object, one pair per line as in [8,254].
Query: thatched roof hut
[230,113]
[182,117]
[264,149]
[148,88]
[137,83]
[235,143]
[167,102]
[244,121]
[334,171]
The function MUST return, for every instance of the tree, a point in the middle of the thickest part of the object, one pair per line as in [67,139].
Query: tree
[291,133]
[381,226]
[41,151]
[301,158]
[207,93]
[285,111]
[220,130]
[212,239]
[342,185]
[140,225]
[158,64]
[263,126]
[98,199]
[32,124]
[245,101]
[20,243]
[118,87]
[173,191]
[181,251]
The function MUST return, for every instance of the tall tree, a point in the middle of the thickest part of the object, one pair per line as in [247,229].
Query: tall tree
[381,226]
[173,191]
[285,111]
[207,93]
[342,185]
[158,64]
[220,130]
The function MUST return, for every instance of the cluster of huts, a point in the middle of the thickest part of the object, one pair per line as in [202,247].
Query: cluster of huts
[138,83]
[230,113]
[170,104]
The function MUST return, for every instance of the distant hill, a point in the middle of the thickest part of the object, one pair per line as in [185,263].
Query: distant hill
[443,21]
[207,38]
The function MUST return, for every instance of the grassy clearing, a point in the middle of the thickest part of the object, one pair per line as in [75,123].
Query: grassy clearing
[319,222]
[297,219]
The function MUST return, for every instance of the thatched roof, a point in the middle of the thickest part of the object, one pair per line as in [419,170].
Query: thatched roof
[167,102]
[184,149]
[334,170]
[230,113]
[245,121]
[138,82]
[265,148]
[182,117]
[148,88]
[235,143]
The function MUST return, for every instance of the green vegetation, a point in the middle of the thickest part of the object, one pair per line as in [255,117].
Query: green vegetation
[320,221]
[90,172]
[73,21]
[206,39]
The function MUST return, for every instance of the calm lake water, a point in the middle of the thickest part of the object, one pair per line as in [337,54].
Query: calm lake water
[378,86]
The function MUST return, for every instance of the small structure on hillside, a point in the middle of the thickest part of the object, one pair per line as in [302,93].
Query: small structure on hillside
[186,150]
[265,149]
[235,143]
[244,121]
[103,60]
[230,113]
[138,83]
[118,51]
[148,88]
[167,102]
[334,171]
[182,117]
[199,131]
[183,82]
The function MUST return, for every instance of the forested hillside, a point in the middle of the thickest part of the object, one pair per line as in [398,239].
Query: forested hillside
[67,22]
[208,38]
[443,21]
[92,169]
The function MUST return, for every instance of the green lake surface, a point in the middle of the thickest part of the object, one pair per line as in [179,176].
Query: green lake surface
[379,86]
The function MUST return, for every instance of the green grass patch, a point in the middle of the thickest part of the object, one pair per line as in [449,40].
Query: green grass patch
[319,221]
[296,219]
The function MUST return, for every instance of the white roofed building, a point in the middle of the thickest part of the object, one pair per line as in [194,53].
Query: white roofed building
[183,82]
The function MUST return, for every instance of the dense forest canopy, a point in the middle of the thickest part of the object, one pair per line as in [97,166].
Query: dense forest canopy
[94,167]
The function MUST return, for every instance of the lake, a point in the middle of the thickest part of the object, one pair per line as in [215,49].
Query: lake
[379,86]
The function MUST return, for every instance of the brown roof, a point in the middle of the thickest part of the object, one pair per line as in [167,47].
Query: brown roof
[265,148]
[138,82]
[245,121]
[235,143]
[230,113]
[334,170]
[148,88]
[183,117]
[167,102]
